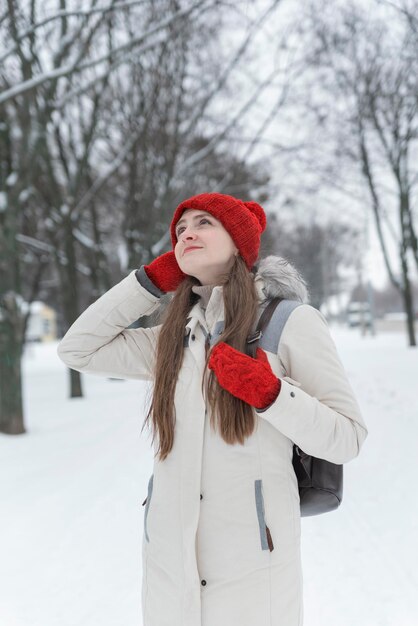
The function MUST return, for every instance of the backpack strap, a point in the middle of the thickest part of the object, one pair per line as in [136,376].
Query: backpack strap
[271,324]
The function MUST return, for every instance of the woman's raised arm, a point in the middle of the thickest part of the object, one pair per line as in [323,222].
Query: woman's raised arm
[99,342]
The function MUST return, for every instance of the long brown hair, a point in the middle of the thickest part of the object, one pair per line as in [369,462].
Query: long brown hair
[234,418]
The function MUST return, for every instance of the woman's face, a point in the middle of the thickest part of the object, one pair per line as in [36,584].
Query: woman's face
[213,250]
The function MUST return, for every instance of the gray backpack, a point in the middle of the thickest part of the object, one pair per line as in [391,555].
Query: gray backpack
[320,482]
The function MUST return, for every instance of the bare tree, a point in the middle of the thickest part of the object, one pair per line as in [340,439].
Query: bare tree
[319,250]
[44,62]
[369,68]
[60,74]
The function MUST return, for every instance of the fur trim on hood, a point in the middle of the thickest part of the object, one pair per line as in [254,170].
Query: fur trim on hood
[277,277]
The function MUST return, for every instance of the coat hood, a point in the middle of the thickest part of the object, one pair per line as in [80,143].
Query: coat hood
[276,277]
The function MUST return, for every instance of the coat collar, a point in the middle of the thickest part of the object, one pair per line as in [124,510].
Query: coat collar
[274,276]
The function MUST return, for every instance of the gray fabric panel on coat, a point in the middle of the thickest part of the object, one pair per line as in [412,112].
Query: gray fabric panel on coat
[145,281]
[259,503]
[218,330]
[150,486]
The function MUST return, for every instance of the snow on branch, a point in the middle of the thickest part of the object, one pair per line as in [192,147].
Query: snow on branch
[72,68]
[35,243]
[82,238]
[46,247]
[81,89]
[72,13]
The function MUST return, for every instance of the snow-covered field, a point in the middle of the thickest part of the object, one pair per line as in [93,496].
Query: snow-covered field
[71,491]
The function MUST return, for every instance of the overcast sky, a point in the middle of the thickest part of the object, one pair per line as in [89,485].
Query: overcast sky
[289,127]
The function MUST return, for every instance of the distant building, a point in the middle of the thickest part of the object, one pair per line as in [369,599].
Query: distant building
[42,324]
[359,314]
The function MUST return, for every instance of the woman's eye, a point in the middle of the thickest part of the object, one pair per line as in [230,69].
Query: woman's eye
[204,219]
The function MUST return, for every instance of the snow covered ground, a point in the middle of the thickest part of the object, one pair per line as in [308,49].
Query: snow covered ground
[71,491]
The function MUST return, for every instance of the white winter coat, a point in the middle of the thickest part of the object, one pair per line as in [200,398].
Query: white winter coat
[206,558]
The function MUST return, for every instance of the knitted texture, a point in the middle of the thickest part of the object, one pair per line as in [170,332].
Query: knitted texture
[249,379]
[165,272]
[244,221]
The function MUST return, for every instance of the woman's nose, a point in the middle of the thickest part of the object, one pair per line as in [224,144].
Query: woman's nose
[188,233]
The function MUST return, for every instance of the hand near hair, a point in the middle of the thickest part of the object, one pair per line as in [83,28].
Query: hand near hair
[249,379]
[165,272]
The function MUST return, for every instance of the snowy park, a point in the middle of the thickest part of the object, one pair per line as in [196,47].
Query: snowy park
[72,489]
[293,126]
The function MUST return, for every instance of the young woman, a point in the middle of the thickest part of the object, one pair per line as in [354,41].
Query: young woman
[221,542]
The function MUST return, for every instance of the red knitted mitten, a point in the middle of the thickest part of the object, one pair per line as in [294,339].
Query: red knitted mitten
[249,379]
[165,272]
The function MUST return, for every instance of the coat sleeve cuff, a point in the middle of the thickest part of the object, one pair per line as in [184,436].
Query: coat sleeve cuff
[280,403]
[147,283]
[316,428]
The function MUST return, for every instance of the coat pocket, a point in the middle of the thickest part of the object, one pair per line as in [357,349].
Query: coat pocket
[147,502]
[265,536]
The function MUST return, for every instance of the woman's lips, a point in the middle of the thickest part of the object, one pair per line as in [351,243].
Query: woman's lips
[193,248]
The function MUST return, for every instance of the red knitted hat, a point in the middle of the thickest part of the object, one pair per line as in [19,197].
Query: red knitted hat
[244,221]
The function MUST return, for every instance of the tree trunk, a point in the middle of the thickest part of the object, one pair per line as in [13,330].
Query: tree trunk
[408,301]
[11,406]
[11,328]
[69,279]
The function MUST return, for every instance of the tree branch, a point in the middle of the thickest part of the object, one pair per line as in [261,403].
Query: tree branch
[72,68]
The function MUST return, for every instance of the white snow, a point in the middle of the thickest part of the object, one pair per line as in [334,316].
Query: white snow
[24,195]
[12,179]
[3,201]
[84,239]
[71,491]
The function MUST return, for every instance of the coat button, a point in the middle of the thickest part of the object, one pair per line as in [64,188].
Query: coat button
[201,496]
[203,582]
[193,337]
[292,393]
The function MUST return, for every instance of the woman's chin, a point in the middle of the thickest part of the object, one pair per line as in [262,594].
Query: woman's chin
[188,268]
[189,272]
